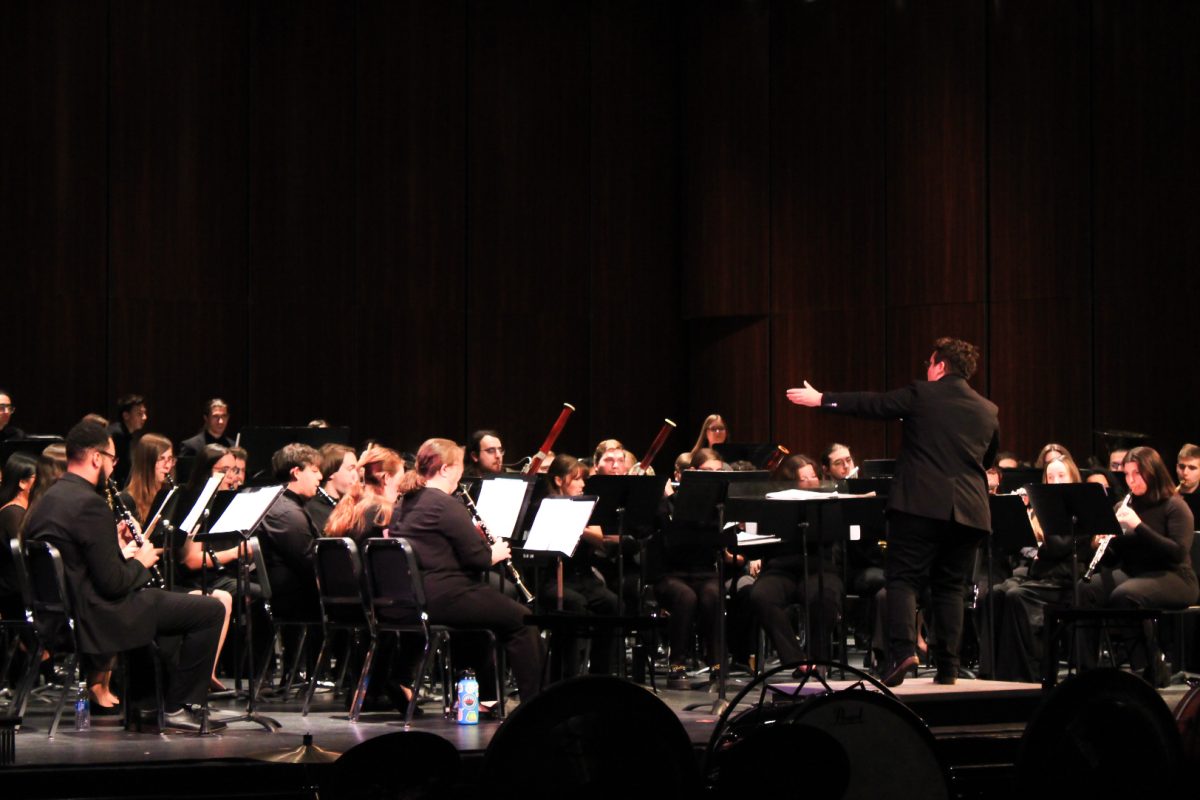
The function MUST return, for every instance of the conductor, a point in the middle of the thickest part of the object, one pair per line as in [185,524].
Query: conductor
[938,507]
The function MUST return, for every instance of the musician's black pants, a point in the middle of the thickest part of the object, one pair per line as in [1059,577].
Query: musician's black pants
[684,594]
[484,607]
[1115,588]
[1019,607]
[775,590]
[923,551]
[187,629]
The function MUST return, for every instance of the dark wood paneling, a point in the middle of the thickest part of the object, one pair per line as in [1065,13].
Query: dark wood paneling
[301,201]
[637,372]
[725,148]
[1039,150]
[411,220]
[527,216]
[827,167]
[177,172]
[935,152]
[1147,243]
[819,347]
[53,74]
[1041,370]
[729,362]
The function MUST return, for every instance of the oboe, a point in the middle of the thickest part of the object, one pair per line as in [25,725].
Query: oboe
[121,514]
[1102,547]
[509,566]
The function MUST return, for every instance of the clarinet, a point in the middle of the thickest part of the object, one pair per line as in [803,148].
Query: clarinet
[1102,548]
[324,495]
[121,514]
[509,566]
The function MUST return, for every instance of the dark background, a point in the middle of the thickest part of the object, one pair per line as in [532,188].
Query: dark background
[417,218]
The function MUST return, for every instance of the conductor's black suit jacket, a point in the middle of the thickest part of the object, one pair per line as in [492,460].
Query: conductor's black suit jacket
[111,615]
[951,433]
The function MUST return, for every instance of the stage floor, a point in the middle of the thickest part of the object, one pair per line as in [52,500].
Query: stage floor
[976,723]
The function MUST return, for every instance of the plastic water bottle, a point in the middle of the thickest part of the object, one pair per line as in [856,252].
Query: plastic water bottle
[468,698]
[83,711]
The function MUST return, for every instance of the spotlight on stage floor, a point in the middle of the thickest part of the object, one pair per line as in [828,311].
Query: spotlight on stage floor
[1101,733]
[791,737]
[592,736]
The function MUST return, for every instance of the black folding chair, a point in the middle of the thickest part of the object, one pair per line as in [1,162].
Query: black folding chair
[343,604]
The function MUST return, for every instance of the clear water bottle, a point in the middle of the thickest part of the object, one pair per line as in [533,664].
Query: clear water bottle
[468,698]
[83,711]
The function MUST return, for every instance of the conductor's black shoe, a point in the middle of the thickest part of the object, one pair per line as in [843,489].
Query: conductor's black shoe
[946,677]
[894,676]
[188,719]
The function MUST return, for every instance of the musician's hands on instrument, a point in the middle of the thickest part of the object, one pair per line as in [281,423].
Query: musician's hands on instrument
[755,567]
[1096,541]
[1128,518]
[501,551]
[806,396]
[124,534]
[147,554]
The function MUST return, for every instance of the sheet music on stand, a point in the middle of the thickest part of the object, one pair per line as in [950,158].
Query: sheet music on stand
[501,502]
[246,511]
[197,509]
[559,524]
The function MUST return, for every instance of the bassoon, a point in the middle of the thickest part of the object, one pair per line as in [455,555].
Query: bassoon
[777,458]
[647,460]
[544,451]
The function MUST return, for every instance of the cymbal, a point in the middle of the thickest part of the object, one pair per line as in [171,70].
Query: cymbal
[307,753]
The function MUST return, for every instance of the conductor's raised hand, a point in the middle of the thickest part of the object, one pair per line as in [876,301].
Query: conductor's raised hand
[805,396]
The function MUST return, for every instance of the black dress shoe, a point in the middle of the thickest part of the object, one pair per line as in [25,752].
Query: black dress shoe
[895,676]
[97,710]
[946,677]
[188,719]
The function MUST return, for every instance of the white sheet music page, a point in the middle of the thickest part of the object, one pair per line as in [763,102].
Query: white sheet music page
[246,509]
[559,524]
[500,504]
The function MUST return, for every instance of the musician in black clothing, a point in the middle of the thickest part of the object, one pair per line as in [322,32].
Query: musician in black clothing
[216,421]
[113,611]
[485,454]
[938,509]
[131,419]
[452,553]
[288,536]
[339,471]
[8,431]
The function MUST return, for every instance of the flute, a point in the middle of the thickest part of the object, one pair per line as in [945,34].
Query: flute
[1102,547]
[509,566]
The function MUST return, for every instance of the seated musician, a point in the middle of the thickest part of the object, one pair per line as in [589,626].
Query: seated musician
[713,433]
[131,418]
[8,431]
[365,509]
[687,586]
[1149,564]
[339,471]
[1019,600]
[237,474]
[288,536]
[781,583]
[1051,451]
[113,611]
[584,590]
[612,460]
[1187,468]
[16,486]
[153,466]
[452,553]
[485,455]
[216,421]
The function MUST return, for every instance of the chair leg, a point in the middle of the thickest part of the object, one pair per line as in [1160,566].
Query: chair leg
[447,675]
[496,672]
[29,678]
[68,680]
[418,679]
[360,689]
[311,686]
[267,656]
[295,668]
[351,641]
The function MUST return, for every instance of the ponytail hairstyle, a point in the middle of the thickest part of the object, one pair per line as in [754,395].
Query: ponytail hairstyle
[349,516]
[433,455]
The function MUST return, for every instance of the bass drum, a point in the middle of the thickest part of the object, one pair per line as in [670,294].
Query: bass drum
[1187,717]
[854,744]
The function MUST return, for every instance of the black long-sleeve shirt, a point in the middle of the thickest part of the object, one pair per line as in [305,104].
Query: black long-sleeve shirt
[450,548]
[1163,540]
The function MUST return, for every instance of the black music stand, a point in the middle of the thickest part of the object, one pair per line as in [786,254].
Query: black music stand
[1011,533]
[628,505]
[1066,509]
[698,522]
[797,524]
[235,527]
